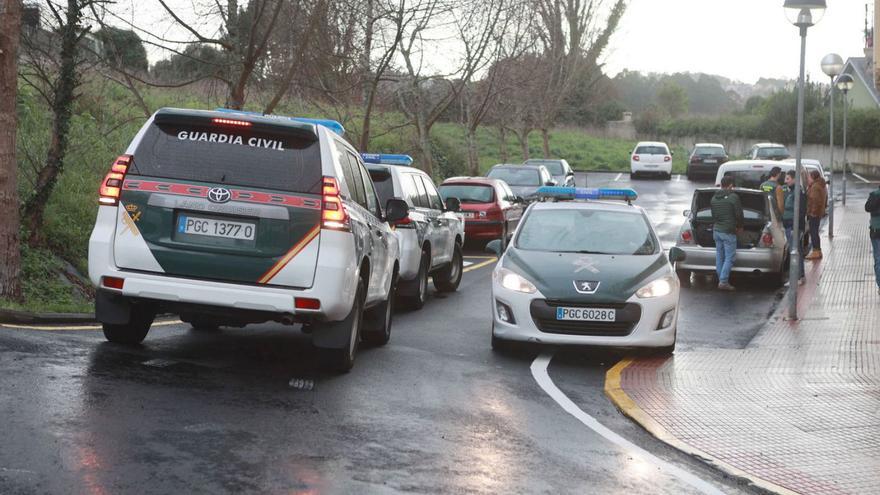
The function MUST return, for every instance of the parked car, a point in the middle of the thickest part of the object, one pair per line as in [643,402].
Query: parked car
[761,246]
[810,164]
[768,151]
[489,207]
[749,174]
[651,158]
[705,160]
[560,170]
[524,180]
[231,218]
[431,236]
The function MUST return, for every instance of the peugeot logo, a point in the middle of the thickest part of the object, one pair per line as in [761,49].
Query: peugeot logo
[586,286]
[219,195]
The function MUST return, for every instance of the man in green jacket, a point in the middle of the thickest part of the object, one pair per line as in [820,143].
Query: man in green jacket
[872,206]
[772,187]
[727,215]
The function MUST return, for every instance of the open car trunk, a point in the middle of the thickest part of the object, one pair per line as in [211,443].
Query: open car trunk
[755,212]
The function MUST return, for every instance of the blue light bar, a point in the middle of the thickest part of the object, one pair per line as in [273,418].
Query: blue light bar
[387,159]
[329,124]
[587,193]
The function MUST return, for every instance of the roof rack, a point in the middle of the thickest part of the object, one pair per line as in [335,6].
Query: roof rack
[329,124]
[556,193]
[387,159]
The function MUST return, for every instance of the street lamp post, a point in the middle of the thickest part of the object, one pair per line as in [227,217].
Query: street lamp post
[832,65]
[803,14]
[844,84]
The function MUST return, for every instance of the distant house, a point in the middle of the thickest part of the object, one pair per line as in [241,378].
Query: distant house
[864,94]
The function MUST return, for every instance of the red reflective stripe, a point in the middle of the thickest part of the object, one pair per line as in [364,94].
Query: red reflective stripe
[237,194]
[296,249]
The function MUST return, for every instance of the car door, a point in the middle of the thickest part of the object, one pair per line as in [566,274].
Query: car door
[445,222]
[510,206]
[384,252]
[422,208]
[361,219]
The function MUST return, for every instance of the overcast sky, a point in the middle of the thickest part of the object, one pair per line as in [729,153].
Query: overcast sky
[739,39]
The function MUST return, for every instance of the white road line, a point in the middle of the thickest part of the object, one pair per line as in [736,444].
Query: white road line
[539,372]
[467,263]
[857,176]
[677,177]
[618,177]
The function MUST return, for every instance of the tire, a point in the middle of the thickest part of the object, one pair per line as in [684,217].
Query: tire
[778,279]
[448,278]
[684,276]
[669,176]
[135,331]
[377,321]
[690,176]
[416,291]
[504,235]
[342,360]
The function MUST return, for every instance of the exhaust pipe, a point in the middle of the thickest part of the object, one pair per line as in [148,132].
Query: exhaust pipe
[287,320]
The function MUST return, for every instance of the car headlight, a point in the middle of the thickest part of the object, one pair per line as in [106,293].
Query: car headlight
[512,281]
[658,288]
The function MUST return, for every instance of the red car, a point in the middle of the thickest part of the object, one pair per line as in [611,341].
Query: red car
[489,207]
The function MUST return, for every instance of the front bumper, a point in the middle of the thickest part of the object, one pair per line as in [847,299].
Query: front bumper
[755,260]
[524,328]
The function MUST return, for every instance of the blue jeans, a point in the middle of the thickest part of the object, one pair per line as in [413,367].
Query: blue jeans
[875,243]
[788,234]
[725,254]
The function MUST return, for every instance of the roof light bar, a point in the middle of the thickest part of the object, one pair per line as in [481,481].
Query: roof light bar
[329,124]
[238,123]
[563,193]
[387,159]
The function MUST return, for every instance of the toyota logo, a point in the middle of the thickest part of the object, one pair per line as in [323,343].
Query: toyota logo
[219,195]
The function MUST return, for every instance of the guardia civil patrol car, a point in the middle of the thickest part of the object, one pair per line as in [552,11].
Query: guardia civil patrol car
[586,268]
[237,218]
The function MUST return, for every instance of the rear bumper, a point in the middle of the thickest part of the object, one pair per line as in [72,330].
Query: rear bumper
[490,229]
[763,260]
[651,168]
[704,169]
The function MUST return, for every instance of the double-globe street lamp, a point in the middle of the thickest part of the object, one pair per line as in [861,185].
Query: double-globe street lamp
[803,14]
[832,66]
[844,84]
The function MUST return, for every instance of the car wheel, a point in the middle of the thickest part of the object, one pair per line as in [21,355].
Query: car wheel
[135,331]
[684,277]
[669,176]
[377,321]
[342,359]
[690,176]
[504,236]
[416,292]
[448,279]
[778,279]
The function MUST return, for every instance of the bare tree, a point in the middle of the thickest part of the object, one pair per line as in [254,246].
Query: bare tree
[10,262]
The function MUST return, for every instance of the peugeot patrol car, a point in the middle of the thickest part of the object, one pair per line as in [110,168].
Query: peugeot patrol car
[431,237]
[231,218]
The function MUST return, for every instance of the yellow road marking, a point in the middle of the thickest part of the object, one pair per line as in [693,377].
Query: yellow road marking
[78,327]
[480,257]
[630,409]
[480,265]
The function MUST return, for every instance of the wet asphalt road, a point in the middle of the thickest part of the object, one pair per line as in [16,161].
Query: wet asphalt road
[435,411]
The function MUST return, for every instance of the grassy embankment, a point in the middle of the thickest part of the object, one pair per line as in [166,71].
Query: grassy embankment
[104,121]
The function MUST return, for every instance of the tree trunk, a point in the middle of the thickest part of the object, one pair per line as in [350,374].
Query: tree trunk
[545,138]
[523,137]
[10,261]
[502,143]
[62,107]
[473,154]
[423,133]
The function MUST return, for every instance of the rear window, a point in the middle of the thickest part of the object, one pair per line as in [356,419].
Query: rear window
[772,152]
[709,151]
[384,185]
[517,176]
[468,194]
[241,157]
[748,179]
[553,166]
[652,150]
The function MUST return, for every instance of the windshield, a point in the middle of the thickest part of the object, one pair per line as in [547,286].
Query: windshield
[468,193]
[772,152]
[553,166]
[652,150]
[587,231]
[517,176]
[709,151]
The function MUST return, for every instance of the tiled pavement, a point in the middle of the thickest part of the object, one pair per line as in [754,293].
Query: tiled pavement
[799,408]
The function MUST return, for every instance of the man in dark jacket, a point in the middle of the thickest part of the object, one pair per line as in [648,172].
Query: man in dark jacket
[788,220]
[727,215]
[872,206]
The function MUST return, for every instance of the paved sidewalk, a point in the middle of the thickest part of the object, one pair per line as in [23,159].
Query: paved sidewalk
[798,410]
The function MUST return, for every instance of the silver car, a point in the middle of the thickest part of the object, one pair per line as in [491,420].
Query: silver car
[524,180]
[559,169]
[761,246]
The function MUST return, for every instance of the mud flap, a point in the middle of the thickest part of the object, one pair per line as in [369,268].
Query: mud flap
[334,335]
[112,308]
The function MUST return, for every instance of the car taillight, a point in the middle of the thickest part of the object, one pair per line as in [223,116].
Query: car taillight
[767,240]
[405,223]
[333,214]
[111,186]
[695,159]
[687,237]
[667,158]
[635,158]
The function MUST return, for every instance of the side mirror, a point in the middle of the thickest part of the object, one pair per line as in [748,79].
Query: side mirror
[550,183]
[686,213]
[453,204]
[396,210]
[676,254]
[494,247]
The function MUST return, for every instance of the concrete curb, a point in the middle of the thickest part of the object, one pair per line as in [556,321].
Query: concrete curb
[25,317]
[628,407]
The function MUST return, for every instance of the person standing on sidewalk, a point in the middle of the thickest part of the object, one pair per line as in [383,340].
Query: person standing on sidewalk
[727,215]
[872,206]
[817,201]
[773,187]
[788,221]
